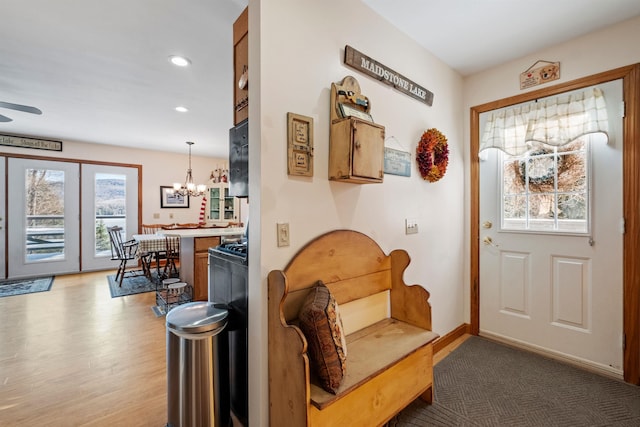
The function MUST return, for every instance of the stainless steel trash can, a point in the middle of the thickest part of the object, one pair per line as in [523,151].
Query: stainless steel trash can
[197,371]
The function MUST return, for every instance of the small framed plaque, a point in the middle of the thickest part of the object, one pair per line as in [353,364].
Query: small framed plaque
[300,145]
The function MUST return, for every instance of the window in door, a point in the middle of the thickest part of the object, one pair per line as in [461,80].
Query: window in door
[547,189]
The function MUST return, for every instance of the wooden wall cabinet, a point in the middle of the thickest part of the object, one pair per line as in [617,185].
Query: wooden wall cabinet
[241,67]
[356,152]
[356,145]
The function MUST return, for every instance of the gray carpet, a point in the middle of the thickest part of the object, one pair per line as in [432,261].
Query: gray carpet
[483,383]
[25,286]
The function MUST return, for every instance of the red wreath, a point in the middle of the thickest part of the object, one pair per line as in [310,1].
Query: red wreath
[432,155]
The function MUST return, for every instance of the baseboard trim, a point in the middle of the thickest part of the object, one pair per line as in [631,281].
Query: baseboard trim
[450,337]
[556,355]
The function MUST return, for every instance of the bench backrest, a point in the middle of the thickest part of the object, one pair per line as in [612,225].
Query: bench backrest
[353,267]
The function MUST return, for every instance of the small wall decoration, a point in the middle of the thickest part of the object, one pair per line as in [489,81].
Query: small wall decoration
[432,155]
[300,145]
[397,162]
[536,76]
[170,199]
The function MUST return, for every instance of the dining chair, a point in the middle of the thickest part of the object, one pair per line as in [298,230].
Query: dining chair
[173,254]
[153,228]
[123,251]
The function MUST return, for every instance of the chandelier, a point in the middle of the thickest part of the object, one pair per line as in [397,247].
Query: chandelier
[189,188]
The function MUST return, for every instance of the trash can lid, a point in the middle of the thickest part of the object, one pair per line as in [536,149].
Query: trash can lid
[197,317]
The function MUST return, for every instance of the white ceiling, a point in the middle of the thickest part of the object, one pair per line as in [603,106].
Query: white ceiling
[98,69]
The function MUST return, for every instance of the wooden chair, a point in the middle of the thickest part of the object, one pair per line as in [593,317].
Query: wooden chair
[153,228]
[188,225]
[173,255]
[122,251]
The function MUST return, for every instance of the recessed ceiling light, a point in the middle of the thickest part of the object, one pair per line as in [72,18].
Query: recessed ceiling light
[182,109]
[180,61]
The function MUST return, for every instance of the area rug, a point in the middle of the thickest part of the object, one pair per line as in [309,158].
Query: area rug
[25,286]
[483,383]
[131,285]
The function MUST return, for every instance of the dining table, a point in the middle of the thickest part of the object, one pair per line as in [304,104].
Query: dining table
[154,244]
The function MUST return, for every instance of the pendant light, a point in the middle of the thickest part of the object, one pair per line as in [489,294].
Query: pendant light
[189,188]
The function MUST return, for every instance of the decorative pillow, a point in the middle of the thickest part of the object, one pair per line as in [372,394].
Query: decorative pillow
[321,324]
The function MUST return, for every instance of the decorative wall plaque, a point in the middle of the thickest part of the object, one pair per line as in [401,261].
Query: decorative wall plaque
[300,145]
[29,142]
[375,69]
[536,76]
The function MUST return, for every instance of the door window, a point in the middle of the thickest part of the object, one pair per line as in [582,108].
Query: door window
[547,189]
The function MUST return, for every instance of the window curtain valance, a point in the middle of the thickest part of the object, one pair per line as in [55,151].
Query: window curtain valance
[554,121]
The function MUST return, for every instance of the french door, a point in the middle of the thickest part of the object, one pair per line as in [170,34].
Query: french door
[55,222]
[109,197]
[43,217]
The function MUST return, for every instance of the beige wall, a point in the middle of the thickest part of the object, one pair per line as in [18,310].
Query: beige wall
[610,48]
[300,53]
[158,168]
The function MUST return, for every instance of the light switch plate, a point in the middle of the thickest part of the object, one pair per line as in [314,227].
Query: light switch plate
[411,226]
[283,234]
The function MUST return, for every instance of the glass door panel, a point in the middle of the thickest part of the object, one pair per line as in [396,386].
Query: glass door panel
[43,218]
[110,197]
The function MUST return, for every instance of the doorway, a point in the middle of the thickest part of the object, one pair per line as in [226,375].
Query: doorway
[631,201]
[551,253]
[56,220]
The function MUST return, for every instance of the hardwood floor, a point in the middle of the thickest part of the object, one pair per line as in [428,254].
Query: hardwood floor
[75,356]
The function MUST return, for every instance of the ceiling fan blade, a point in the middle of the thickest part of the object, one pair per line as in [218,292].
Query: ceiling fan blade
[18,107]
[5,118]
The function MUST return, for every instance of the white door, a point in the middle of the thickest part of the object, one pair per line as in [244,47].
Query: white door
[3,222]
[557,292]
[43,218]
[109,197]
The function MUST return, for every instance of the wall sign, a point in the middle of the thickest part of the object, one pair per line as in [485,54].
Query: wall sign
[28,142]
[536,76]
[373,68]
[397,162]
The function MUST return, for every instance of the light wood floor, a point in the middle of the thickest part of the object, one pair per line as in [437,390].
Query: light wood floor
[74,356]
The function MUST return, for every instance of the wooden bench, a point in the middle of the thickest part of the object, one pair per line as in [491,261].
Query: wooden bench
[389,339]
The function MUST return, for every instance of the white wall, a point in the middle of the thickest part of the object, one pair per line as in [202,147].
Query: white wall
[300,54]
[158,168]
[613,47]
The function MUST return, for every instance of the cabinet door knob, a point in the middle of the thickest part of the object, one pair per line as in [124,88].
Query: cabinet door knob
[357,144]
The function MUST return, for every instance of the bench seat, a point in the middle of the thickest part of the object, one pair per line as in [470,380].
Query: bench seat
[389,340]
[371,351]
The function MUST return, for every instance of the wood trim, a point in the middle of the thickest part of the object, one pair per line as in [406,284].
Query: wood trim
[631,207]
[631,200]
[447,339]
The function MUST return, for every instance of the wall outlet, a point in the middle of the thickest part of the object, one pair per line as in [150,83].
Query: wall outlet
[283,234]
[156,215]
[410,226]
[170,216]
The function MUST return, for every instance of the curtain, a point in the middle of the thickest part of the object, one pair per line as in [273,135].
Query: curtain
[554,121]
